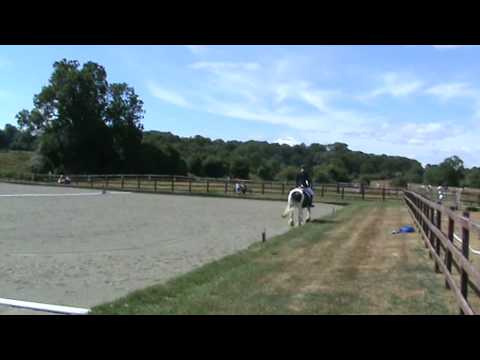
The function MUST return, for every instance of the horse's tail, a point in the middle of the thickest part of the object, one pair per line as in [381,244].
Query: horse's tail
[287,211]
[289,207]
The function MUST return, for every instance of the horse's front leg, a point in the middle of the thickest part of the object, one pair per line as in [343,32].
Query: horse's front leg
[290,219]
[300,215]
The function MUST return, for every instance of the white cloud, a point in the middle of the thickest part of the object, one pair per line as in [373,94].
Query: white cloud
[197,49]
[287,140]
[396,85]
[167,95]
[448,91]
[265,96]
[318,98]
[410,133]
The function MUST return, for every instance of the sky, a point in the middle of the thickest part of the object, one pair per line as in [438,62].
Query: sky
[418,101]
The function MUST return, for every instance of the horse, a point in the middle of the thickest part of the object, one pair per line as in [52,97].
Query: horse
[296,199]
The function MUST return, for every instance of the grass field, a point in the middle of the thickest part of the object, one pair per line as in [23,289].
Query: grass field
[14,162]
[347,264]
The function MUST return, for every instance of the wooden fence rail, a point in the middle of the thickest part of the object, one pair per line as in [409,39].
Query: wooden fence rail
[185,184]
[428,216]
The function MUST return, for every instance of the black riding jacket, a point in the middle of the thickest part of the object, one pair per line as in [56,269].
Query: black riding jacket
[304,180]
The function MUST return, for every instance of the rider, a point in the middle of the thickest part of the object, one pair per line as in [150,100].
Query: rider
[304,181]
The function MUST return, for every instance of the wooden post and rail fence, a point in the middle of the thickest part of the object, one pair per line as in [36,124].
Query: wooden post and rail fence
[195,185]
[441,245]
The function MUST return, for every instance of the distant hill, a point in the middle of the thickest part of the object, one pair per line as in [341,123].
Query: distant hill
[272,161]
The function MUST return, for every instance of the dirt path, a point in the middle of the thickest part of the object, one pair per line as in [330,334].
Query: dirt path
[360,267]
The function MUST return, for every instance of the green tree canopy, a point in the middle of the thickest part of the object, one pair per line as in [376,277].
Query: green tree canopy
[86,124]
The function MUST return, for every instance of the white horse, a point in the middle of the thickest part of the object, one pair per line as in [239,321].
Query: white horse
[295,204]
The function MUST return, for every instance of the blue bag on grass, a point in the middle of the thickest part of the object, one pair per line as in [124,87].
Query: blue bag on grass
[404,229]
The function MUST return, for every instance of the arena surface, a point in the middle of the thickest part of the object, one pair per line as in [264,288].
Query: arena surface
[81,248]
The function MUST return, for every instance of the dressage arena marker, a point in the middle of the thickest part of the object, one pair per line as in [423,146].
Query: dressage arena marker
[59,309]
[73,194]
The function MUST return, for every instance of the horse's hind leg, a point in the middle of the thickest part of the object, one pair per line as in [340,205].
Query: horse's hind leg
[290,220]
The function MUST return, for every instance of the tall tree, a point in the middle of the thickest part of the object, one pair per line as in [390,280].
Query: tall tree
[86,124]
[124,113]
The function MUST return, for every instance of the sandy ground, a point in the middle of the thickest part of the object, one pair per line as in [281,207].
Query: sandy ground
[85,250]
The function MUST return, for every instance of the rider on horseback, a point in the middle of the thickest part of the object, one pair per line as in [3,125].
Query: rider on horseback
[303,181]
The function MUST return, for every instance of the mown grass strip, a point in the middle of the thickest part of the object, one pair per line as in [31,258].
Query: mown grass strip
[230,285]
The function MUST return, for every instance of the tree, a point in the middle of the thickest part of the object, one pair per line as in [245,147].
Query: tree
[195,166]
[320,174]
[473,178]
[3,140]
[23,140]
[452,170]
[86,124]
[265,172]
[288,173]
[10,134]
[433,175]
[449,172]
[123,114]
[240,168]
[214,167]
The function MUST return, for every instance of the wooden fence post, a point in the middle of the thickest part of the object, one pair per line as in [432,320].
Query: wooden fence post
[226,187]
[438,224]
[362,189]
[173,183]
[383,194]
[428,232]
[263,188]
[338,188]
[138,182]
[343,192]
[432,221]
[207,186]
[465,252]
[423,210]
[155,185]
[189,185]
[323,190]
[448,260]
[283,188]
[122,182]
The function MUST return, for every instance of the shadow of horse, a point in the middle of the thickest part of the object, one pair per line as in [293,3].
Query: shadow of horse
[322,221]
